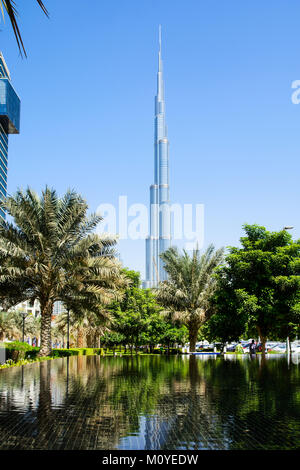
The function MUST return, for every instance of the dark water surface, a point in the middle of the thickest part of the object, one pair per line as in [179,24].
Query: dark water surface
[152,402]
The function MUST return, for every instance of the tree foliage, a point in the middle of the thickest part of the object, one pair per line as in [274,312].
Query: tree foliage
[258,287]
[137,320]
[49,252]
[190,285]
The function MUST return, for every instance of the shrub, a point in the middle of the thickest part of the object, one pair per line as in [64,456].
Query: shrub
[77,352]
[157,351]
[17,351]
[166,351]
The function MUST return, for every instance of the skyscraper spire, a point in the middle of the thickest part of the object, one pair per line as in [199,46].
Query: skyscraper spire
[160,84]
[159,238]
[159,52]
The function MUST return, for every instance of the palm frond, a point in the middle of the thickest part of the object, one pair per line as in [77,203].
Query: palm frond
[187,292]
[10,7]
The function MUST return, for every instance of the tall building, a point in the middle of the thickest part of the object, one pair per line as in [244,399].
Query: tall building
[58,308]
[31,307]
[159,238]
[9,123]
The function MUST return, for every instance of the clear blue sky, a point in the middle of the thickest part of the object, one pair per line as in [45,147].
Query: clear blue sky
[87,91]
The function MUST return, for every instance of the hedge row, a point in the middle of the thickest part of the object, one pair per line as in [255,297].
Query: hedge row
[77,352]
[17,351]
[167,351]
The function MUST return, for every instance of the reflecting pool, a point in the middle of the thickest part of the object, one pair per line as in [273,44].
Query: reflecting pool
[152,402]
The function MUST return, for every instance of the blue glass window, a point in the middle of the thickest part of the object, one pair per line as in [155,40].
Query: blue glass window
[9,106]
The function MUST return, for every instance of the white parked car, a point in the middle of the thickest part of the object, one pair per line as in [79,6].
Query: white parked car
[279,347]
[271,344]
[295,347]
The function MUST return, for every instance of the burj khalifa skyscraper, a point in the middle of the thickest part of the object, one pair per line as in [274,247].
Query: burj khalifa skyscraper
[159,238]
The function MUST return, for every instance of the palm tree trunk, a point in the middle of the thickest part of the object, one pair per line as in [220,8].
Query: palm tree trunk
[193,334]
[89,341]
[46,312]
[263,341]
[80,338]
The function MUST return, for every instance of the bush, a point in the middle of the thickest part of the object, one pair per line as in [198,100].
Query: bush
[17,351]
[174,350]
[77,352]
[157,351]
[165,351]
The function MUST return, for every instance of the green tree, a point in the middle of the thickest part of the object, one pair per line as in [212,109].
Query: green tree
[173,334]
[112,339]
[136,316]
[49,252]
[187,292]
[258,287]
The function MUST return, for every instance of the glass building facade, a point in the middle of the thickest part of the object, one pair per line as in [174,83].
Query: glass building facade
[159,238]
[9,123]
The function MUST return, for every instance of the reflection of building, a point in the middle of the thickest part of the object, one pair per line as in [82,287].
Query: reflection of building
[157,431]
[9,123]
[159,237]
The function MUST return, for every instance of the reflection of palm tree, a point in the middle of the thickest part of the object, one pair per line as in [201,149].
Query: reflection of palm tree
[194,375]
[186,402]
[192,425]
[45,417]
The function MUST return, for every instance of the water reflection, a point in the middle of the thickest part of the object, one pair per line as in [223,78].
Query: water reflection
[151,402]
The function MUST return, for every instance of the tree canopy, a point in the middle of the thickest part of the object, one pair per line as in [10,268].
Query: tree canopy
[258,289]
[49,252]
[187,292]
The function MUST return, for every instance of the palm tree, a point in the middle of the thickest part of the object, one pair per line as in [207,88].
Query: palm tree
[187,292]
[49,253]
[60,327]
[11,325]
[86,328]
[92,326]
[10,7]
[7,326]
[14,325]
